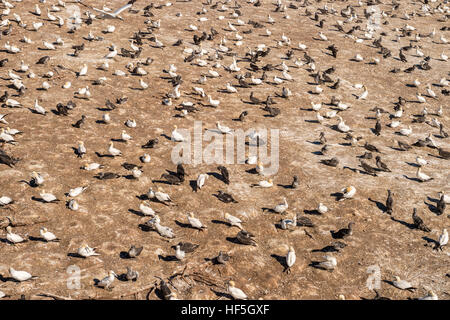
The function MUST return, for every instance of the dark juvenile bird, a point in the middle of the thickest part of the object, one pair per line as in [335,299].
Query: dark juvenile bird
[389,202]
[225,174]
[225,197]
[418,222]
[322,138]
[303,221]
[172,179]
[134,252]
[150,143]
[3,62]
[344,232]
[444,153]
[165,290]
[402,56]
[223,257]
[295,182]
[246,238]
[62,109]
[107,175]
[381,165]
[377,130]
[371,147]
[403,146]
[243,115]
[79,122]
[43,60]
[188,247]
[273,112]
[333,162]
[367,168]
[6,159]
[440,206]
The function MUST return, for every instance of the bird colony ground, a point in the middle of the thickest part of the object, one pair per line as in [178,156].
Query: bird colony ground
[301,36]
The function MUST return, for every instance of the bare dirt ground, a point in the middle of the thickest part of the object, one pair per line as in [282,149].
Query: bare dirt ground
[109,217]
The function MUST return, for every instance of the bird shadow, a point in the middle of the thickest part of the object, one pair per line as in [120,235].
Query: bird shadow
[138,213]
[103,155]
[222,294]
[281,260]
[184,225]
[75,255]
[215,175]
[432,208]
[406,224]
[412,178]
[412,164]
[338,195]
[233,240]
[6,279]
[167,258]
[193,185]
[312,212]
[379,204]
[429,240]
[285,186]
[326,249]
[31,238]
[221,222]
[124,255]
[145,228]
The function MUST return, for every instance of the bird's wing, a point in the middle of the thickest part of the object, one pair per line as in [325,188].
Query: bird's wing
[125,7]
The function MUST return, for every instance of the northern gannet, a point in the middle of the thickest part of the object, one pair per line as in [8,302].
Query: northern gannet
[176,136]
[195,222]
[233,221]
[179,254]
[73,205]
[47,235]
[236,293]
[348,193]
[422,177]
[13,237]
[85,251]
[113,151]
[224,129]
[107,281]
[282,207]
[20,275]
[201,180]
[76,191]
[48,197]
[443,239]
[402,284]
[290,259]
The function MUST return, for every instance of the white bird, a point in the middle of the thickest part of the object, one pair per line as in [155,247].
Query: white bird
[47,235]
[76,191]
[37,10]
[233,221]
[143,84]
[92,166]
[358,57]
[201,180]
[443,238]
[223,129]
[444,57]
[48,45]
[13,237]
[363,95]
[230,88]
[322,36]
[214,103]
[13,103]
[113,151]
[420,161]
[107,281]
[416,83]
[290,259]
[402,284]
[176,136]
[420,98]
[422,176]
[83,70]
[405,131]
[86,251]
[236,293]
[146,210]
[430,296]
[430,92]
[265,184]
[195,222]
[125,136]
[348,193]
[179,254]
[145,158]
[322,209]
[47,197]
[4,200]
[73,205]
[329,264]
[36,178]
[342,126]
[282,207]
[20,275]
